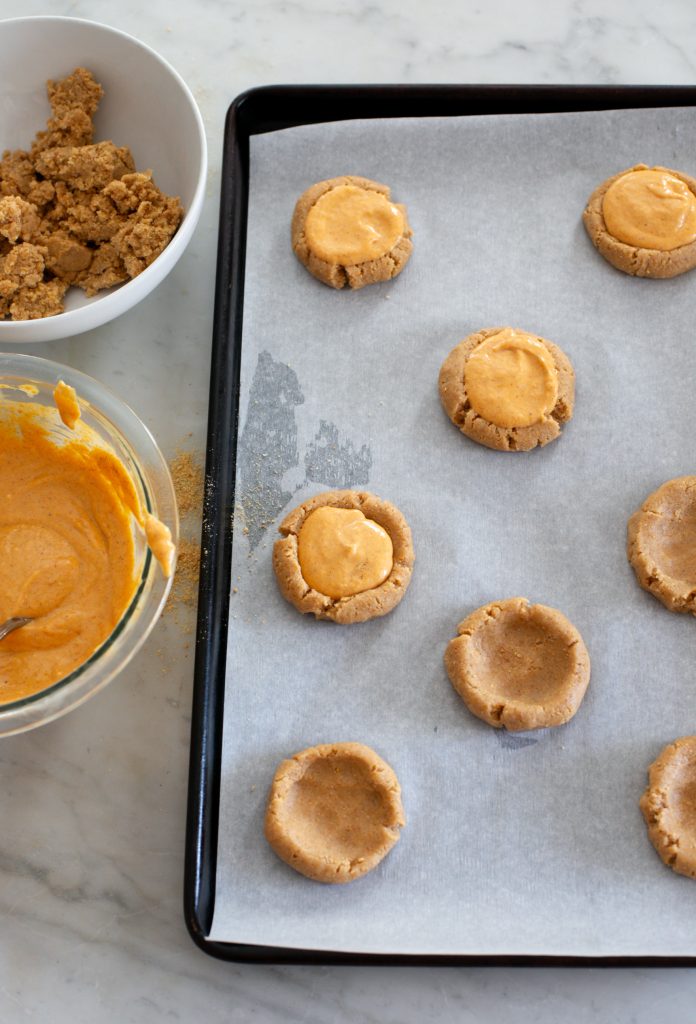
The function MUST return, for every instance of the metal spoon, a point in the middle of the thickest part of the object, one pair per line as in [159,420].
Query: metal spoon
[10,624]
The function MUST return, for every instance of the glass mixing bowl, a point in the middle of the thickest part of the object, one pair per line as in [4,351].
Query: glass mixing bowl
[112,425]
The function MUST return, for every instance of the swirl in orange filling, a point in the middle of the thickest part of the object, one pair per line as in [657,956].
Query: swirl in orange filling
[511,379]
[349,225]
[650,208]
[342,553]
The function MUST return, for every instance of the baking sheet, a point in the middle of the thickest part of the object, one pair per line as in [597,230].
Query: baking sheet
[516,843]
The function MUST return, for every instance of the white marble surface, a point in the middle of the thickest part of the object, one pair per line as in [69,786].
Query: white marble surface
[93,806]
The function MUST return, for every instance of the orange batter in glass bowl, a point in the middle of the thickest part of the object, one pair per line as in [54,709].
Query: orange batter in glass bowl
[77,540]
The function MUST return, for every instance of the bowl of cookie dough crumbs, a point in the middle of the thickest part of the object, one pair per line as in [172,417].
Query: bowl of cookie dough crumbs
[102,175]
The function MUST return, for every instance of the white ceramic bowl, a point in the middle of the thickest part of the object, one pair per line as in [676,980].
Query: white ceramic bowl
[146,105]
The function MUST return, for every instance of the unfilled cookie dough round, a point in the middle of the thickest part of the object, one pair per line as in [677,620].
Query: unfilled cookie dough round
[347,232]
[662,544]
[334,811]
[643,221]
[372,572]
[518,665]
[669,805]
[533,376]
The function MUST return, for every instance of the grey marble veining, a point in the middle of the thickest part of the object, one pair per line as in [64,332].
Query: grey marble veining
[93,806]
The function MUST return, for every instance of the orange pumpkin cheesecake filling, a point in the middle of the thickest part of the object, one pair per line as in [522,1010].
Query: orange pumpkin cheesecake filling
[351,225]
[69,522]
[511,379]
[651,208]
[342,553]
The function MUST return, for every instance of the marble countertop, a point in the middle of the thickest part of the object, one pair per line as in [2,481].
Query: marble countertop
[93,806]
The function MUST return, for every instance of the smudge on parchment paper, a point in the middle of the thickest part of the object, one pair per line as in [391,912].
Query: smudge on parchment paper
[268,449]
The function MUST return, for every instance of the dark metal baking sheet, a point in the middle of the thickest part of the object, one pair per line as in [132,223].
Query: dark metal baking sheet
[264,110]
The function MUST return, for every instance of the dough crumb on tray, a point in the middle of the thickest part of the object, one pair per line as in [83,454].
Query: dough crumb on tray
[74,212]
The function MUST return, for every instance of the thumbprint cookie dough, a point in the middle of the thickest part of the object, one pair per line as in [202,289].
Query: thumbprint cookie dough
[669,805]
[347,232]
[643,221]
[345,556]
[508,389]
[518,665]
[662,544]
[334,811]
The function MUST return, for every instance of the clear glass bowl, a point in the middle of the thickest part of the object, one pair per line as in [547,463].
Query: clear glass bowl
[118,429]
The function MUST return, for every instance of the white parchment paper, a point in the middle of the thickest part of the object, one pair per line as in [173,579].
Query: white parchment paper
[515,843]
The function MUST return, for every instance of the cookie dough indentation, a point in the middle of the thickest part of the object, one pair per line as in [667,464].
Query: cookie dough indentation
[651,209]
[662,544]
[643,221]
[519,666]
[350,225]
[334,811]
[508,389]
[383,593]
[347,232]
[669,805]
[511,379]
[342,553]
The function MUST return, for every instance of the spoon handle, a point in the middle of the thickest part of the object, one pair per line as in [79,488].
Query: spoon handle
[10,624]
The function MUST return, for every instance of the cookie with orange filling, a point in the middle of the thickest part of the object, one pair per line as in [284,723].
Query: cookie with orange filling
[508,389]
[643,221]
[348,232]
[345,556]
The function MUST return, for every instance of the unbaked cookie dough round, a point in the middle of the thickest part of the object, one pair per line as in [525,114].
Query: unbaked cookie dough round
[518,665]
[669,805]
[643,221]
[334,811]
[662,544]
[345,556]
[347,231]
[508,389]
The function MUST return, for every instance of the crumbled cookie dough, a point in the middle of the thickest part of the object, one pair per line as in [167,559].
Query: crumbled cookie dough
[75,212]
[151,220]
[74,102]
[105,270]
[34,302]
[23,265]
[334,811]
[19,219]
[85,168]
